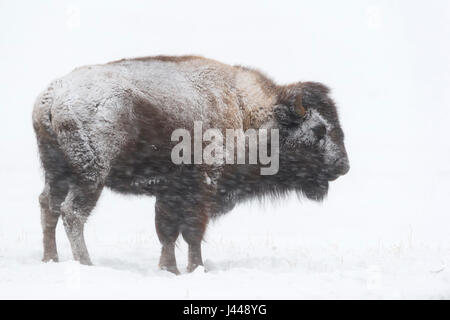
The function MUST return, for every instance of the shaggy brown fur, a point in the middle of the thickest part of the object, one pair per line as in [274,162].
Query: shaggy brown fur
[110,125]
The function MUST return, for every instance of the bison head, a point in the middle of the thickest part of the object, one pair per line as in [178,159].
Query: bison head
[312,150]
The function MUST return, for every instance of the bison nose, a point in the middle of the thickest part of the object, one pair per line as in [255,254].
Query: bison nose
[342,166]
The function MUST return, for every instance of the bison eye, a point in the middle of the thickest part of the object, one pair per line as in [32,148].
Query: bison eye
[320,131]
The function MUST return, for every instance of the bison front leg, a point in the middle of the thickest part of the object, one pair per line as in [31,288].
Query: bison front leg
[175,215]
[193,229]
[167,228]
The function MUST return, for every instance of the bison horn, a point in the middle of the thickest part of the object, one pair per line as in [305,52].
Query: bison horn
[301,111]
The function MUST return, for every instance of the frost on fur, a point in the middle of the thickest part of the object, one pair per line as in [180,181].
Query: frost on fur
[111,125]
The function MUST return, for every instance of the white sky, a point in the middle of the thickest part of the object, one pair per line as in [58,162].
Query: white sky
[387,63]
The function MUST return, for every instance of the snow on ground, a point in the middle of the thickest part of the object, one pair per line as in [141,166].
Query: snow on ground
[382,233]
[286,250]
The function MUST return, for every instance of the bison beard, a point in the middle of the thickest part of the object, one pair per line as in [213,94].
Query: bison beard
[110,125]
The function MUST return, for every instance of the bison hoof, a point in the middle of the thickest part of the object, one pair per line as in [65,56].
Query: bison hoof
[193,267]
[172,269]
[86,262]
[51,258]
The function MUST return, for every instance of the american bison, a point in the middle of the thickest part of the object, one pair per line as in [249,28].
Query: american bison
[111,125]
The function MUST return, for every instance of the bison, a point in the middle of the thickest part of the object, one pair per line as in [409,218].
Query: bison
[110,126]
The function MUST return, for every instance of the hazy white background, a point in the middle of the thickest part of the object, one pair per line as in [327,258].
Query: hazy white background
[383,232]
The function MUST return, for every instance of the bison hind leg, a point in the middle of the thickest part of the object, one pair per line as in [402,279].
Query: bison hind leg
[57,176]
[50,200]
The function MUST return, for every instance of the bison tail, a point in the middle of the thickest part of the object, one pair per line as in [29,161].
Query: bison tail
[51,155]
[42,117]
